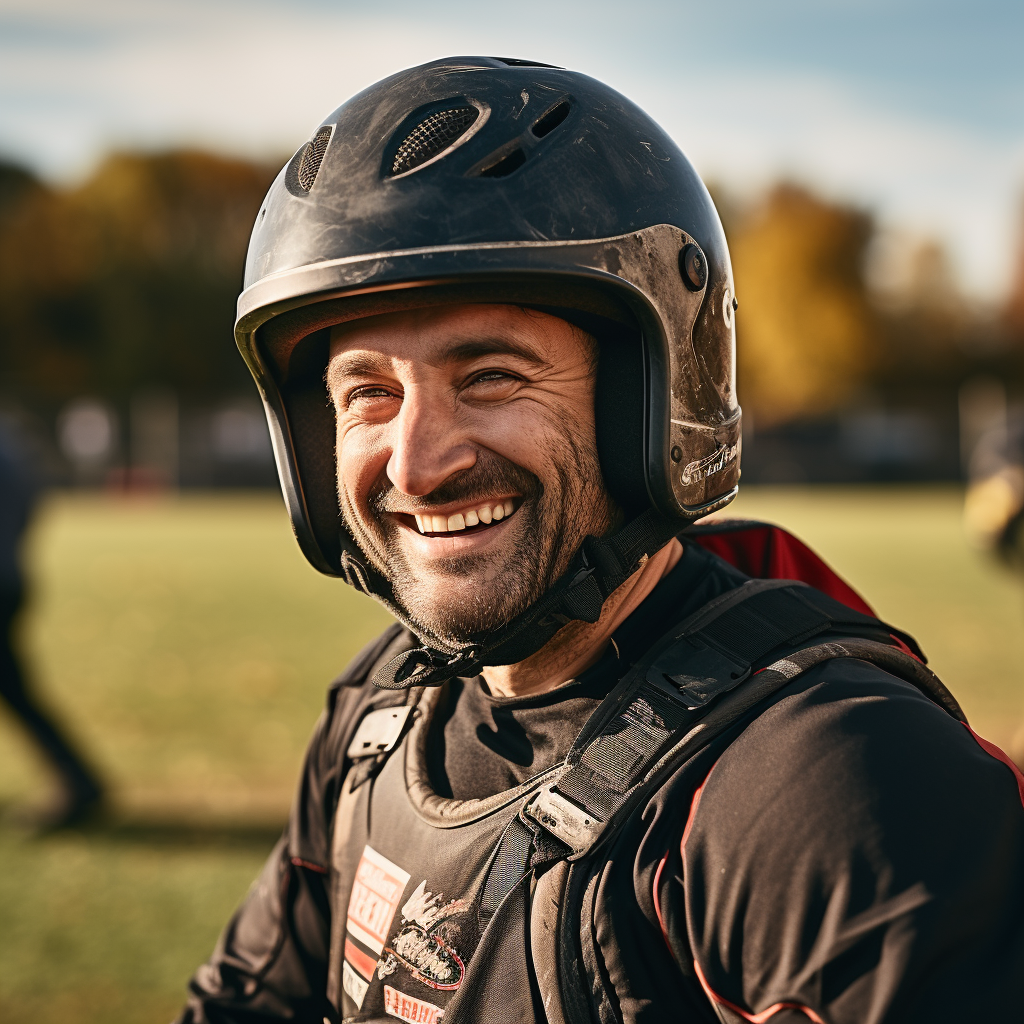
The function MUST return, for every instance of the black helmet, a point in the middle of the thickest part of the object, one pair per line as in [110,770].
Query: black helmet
[485,179]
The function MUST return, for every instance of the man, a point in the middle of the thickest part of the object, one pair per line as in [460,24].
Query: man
[597,772]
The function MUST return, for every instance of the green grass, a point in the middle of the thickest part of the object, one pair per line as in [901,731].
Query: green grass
[188,646]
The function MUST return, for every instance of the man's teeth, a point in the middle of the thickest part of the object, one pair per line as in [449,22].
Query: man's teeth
[471,517]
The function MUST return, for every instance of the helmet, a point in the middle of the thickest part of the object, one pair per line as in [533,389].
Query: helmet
[484,179]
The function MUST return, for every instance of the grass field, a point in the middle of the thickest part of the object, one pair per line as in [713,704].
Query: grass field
[188,646]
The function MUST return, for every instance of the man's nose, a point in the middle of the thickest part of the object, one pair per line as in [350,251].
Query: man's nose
[427,445]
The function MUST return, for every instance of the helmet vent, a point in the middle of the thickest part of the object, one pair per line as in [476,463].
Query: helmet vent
[431,137]
[515,62]
[551,120]
[313,157]
[505,166]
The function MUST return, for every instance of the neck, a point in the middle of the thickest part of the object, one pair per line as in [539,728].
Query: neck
[578,645]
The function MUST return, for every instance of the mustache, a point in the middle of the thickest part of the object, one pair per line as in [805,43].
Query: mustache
[487,477]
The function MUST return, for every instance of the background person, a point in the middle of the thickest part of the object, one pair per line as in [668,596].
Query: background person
[79,792]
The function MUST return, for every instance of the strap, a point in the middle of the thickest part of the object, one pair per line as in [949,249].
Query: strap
[659,717]
[600,567]
[381,720]
[556,922]
[696,682]
[510,863]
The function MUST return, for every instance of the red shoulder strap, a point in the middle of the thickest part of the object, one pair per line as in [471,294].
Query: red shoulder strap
[768,552]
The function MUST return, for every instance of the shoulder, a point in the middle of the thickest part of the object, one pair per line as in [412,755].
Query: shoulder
[852,816]
[381,649]
[349,692]
[846,743]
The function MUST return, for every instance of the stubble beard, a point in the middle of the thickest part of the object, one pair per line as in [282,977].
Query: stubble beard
[466,595]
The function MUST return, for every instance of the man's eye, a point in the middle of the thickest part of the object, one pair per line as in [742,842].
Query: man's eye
[493,377]
[370,392]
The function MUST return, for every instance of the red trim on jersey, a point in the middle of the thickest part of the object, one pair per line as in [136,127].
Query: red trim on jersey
[904,648]
[1000,755]
[694,803]
[300,863]
[768,552]
[758,1018]
[754,1018]
[657,902]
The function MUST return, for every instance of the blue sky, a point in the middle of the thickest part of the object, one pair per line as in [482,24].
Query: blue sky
[913,109]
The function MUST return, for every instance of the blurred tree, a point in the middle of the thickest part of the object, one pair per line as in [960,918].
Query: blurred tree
[1013,313]
[129,280]
[15,181]
[807,334]
[933,338]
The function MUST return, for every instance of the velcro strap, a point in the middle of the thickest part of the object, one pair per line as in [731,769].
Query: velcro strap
[710,654]
[707,661]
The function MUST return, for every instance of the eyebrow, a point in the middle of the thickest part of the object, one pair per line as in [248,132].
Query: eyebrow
[479,347]
[355,365]
[364,364]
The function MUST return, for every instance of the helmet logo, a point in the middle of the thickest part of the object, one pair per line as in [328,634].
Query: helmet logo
[711,464]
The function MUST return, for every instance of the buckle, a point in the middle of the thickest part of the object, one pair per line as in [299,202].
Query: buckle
[379,732]
[570,824]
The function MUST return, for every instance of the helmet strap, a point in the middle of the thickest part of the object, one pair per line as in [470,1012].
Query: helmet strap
[599,567]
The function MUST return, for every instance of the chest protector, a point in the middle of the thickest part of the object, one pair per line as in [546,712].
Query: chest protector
[469,910]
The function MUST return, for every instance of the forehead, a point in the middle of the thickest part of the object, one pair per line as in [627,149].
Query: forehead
[443,334]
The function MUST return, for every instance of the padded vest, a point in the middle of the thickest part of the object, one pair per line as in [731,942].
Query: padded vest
[469,910]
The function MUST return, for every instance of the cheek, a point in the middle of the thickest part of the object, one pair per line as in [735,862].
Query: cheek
[554,415]
[537,430]
[361,460]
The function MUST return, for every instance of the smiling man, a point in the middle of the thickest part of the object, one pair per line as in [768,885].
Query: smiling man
[467,462]
[608,765]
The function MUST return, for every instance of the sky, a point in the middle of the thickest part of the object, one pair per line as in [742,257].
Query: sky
[911,109]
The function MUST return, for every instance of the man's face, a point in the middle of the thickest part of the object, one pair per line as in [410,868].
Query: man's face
[467,463]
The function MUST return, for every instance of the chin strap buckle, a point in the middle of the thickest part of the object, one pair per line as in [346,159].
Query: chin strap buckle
[422,666]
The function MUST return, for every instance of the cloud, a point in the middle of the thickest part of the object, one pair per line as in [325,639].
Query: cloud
[257,77]
[937,179]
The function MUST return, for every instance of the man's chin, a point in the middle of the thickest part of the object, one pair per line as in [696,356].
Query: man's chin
[457,608]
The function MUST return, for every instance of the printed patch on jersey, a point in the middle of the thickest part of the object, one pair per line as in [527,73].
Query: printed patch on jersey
[408,1008]
[376,893]
[353,984]
[424,946]
[363,963]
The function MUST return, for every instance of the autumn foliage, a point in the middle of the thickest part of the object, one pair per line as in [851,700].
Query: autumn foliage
[129,281]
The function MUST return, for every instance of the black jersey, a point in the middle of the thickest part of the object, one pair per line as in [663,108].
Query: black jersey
[851,854]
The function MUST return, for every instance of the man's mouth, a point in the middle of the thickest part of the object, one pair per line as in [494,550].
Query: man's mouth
[473,518]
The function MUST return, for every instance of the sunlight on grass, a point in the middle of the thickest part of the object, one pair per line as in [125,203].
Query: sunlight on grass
[188,644]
